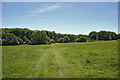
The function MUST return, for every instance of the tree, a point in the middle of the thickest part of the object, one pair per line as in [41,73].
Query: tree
[25,40]
[16,36]
[0,42]
[61,40]
[10,39]
[119,36]
[113,35]
[58,36]
[81,39]
[20,41]
[39,37]
[93,35]
[103,35]
[48,41]
[72,37]
[66,39]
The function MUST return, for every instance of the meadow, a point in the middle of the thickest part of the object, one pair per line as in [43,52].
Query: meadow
[97,59]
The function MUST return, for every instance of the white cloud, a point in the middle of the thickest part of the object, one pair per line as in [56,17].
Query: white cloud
[45,9]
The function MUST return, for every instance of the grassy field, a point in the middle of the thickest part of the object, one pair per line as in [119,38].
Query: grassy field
[61,60]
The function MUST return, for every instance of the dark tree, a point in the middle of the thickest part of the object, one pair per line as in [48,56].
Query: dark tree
[103,35]
[61,40]
[81,39]
[93,35]
[66,39]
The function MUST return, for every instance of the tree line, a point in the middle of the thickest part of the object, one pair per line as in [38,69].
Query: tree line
[18,36]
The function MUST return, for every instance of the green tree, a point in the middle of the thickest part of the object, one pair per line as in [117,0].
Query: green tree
[72,37]
[113,35]
[39,37]
[61,40]
[93,35]
[119,36]
[66,39]
[25,40]
[81,39]
[10,39]
[103,35]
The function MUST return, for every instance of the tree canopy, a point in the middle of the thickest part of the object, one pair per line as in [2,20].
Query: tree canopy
[17,36]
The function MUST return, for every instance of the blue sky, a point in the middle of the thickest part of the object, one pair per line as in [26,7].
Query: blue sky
[64,17]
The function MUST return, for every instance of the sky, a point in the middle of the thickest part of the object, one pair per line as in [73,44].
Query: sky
[60,0]
[61,17]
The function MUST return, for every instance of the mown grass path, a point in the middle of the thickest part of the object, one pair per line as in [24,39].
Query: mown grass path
[37,68]
[51,64]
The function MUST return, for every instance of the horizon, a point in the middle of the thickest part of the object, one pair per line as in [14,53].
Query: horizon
[65,18]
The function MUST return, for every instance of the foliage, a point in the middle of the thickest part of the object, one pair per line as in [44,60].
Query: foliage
[16,36]
[61,40]
[10,39]
[40,37]
[93,35]
[118,36]
[66,39]
[81,39]
[103,35]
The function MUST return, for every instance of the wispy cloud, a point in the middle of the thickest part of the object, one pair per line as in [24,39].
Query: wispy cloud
[37,11]
[45,9]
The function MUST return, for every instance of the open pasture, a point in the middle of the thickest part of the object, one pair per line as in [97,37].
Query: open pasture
[97,59]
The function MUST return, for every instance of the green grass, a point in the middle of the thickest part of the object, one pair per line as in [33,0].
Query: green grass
[61,60]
